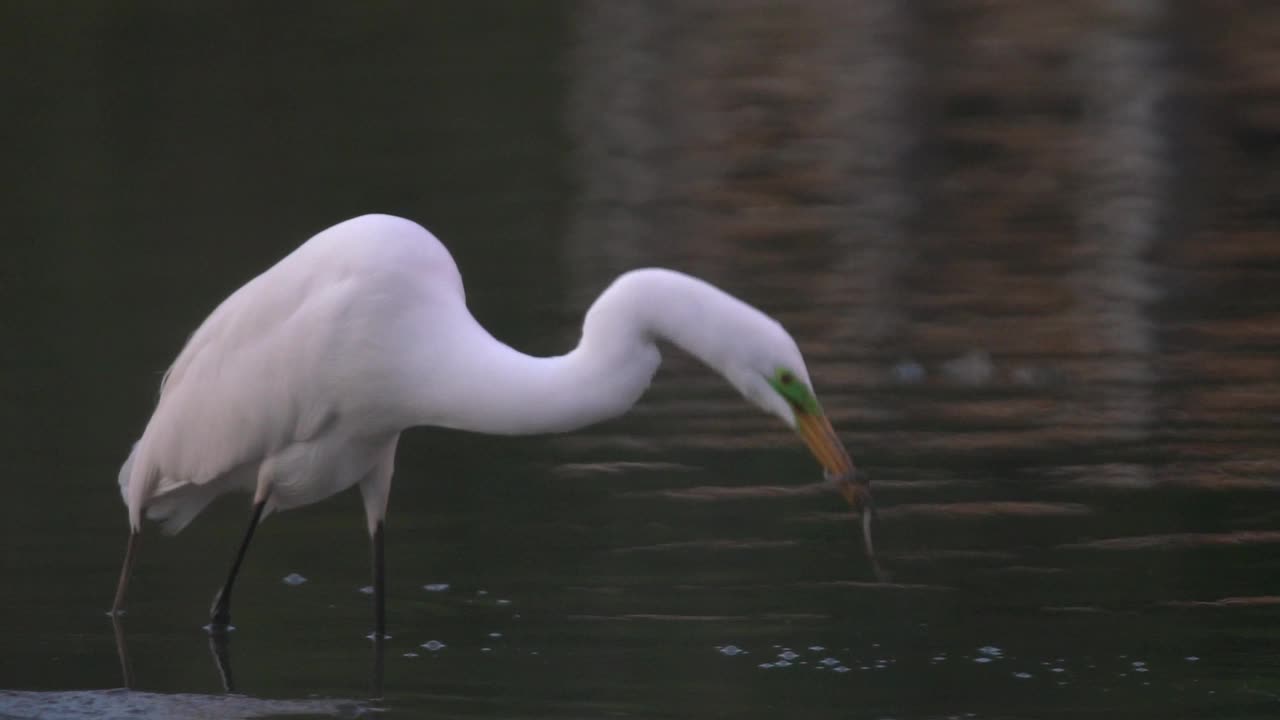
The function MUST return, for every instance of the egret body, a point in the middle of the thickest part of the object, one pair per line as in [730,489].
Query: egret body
[299,384]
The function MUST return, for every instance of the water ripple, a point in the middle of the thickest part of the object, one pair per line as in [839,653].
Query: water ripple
[987,509]
[710,545]
[1173,541]
[1226,602]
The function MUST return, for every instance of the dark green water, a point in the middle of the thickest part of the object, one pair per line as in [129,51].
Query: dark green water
[1029,253]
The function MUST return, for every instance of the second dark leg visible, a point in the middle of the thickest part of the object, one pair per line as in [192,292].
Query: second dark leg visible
[220,616]
[379,584]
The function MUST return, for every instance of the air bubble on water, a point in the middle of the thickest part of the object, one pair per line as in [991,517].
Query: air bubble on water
[1022,675]
[1140,669]
[485,649]
[991,651]
[939,658]
[434,645]
[982,659]
[1191,658]
[1139,663]
[411,654]
[816,648]
[504,601]
[482,592]
[436,587]
[840,669]
[765,666]
[731,650]
[367,589]
[1057,670]
[495,635]
[782,663]
[788,655]
[293,579]
[829,661]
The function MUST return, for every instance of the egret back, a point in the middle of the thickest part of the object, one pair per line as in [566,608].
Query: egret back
[293,378]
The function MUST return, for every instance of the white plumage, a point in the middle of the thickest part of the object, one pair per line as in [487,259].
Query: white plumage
[290,384]
[299,384]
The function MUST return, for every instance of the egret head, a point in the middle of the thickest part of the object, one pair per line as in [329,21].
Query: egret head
[774,377]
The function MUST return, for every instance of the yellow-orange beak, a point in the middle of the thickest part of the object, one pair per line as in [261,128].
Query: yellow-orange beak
[817,433]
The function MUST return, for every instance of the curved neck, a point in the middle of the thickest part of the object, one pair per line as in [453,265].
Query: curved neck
[494,388]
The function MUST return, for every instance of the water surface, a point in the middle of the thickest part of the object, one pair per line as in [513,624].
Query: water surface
[1026,251]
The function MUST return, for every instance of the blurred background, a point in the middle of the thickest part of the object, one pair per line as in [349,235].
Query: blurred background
[1027,248]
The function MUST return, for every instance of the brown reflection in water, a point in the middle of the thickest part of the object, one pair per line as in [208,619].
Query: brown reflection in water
[579,470]
[1012,195]
[763,148]
[889,182]
[1227,602]
[1176,541]
[948,555]
[1226,476]
[712,493]
[983,509]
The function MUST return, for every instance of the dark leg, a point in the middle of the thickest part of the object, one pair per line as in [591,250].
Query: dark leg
[221,610]
[117,607]
[122,652]
[379,586]
[375,674]
[218,645]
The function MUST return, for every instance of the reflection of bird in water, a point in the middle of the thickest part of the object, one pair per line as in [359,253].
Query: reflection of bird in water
[299,384]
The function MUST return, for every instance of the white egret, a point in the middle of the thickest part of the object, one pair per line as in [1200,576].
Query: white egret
[299,384]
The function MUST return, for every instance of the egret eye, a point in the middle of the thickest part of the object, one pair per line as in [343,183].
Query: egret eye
[786,378]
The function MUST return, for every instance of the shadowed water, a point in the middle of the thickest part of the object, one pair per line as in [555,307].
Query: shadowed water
[1026,249]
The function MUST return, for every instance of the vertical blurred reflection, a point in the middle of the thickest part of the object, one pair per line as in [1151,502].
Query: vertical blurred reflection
[1123,205]
[760,145]
[875,125]
[618,116]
